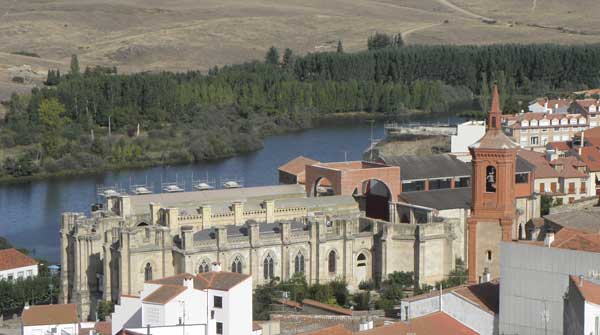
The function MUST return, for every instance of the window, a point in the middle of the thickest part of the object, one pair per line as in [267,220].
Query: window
[217,301]
[148,272]
[203,266]
[361,260]
[582,188]
[534,140]
[219,328]
[490,179]
[489,255]
[462,182]
[411,186]
[20,274]
[30,272]
[331,261]
[438,184]
[268,267]
[299,263]
[571,188]
[522,178]
[553,187]
[10,277]
[236,265]
[542,187]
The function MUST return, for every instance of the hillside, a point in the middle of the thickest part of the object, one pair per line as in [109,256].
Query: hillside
[141,35]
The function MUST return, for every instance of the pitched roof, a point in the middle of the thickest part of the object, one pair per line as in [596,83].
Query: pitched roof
[561,146]
[164,294]
[103,327]
[326,307]
[13,258]
[583,220]
[484,295]
[222,280]
[256,326]
[289,303]
[429,166]
[50,315]
[431,324]
[296,166]
[545,169]
[335,330]
[589,289]
[440,199]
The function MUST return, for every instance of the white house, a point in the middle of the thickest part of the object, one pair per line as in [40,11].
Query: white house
[16,265]
[212,303]
[58,319]
[582,306]
[474,306]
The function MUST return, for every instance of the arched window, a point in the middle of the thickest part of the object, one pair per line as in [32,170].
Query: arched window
[203,266]
[331,261]
[361,260]
[489,255]
[490,179]
[236,265]
[148,272]
[299,263]
[268,267]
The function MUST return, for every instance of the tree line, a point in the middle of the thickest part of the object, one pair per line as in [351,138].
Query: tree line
[90,119]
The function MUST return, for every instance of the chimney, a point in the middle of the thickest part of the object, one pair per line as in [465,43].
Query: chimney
[188,282]
[216,267]
[549,239]
[580,281]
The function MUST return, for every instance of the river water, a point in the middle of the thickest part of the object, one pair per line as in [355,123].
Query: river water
[30,212]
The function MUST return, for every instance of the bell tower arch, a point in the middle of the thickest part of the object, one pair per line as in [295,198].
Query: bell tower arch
[494,203]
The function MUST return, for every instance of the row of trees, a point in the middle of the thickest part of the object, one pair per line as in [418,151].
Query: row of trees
[87,118]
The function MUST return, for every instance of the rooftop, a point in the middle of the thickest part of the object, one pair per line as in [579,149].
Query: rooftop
[414,167]
[222,280]
[297,165]
[335,330]
[13,258]
[327,307]
[440,199]
[431,324]
[140,203]
[484,295]
[546,169]
[588,287]
[50,315]
[164,294]
[584,220]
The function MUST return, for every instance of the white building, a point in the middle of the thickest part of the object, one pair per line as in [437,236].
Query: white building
[50,320]
[474,306]
[582,306]
[467,133]
[16,265]
[212,303]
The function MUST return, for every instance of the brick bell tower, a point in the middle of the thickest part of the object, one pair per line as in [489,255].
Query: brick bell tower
[493,203]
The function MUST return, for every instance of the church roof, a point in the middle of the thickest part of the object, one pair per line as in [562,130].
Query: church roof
[429,166]
[440,199]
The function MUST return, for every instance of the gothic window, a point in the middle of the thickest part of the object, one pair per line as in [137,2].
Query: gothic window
[490,179]
[361,260]
[299,263]
[203,266]
[148,272]
[489,255]
[236,265]
[331,261]
[268,267]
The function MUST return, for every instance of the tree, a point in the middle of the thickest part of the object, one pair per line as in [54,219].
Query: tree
[50,115]
[288,58]
[379,41]
[105,308]
[74,66]
[272,56]
[546,203]
[340,47]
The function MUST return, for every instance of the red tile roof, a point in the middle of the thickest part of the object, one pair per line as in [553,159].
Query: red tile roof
[572,239]
[545,169]
[485,295]
[222,280]
[164,294]
[103,327]
[289,303]
[13,258]
[335,330]
[431,324]
[589,290]
[50,315]
[296,166]
[561,146]
[326,307]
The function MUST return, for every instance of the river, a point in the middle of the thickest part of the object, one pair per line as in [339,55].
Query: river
[30,212]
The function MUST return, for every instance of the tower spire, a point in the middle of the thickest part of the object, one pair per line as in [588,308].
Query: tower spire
[495,115]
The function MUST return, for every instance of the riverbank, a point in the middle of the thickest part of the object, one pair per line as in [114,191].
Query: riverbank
[420,145]
[154,159]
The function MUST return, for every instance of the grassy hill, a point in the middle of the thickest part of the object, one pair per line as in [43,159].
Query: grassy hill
[141,35]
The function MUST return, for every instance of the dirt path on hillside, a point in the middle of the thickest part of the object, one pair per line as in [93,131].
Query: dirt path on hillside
[406,33]
[466,12]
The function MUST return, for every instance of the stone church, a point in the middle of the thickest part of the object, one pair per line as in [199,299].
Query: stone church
[355,221]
